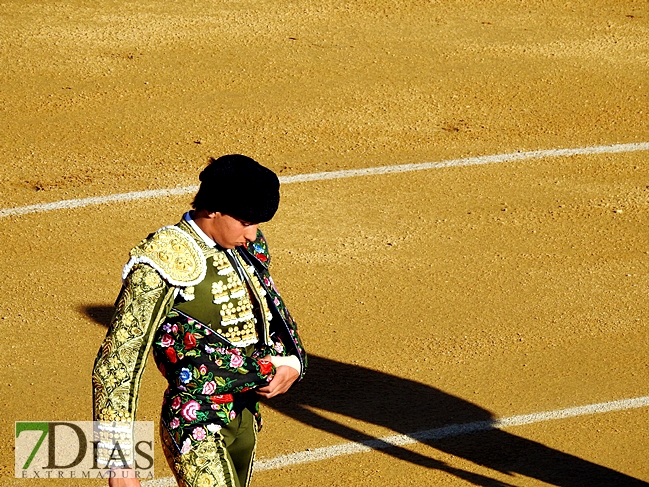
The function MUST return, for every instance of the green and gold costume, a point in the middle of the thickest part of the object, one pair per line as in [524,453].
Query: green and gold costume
[210,315]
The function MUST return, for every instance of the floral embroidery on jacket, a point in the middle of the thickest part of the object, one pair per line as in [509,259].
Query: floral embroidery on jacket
[207,380]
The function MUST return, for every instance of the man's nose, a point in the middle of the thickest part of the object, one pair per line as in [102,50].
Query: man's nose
[251,233]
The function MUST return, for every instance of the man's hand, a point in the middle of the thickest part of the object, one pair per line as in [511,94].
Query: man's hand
[283,380]
[123,478]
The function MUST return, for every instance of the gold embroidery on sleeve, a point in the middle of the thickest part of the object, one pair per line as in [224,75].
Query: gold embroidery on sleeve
[122,356]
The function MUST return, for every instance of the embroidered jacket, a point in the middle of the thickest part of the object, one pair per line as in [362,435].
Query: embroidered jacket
[210,315]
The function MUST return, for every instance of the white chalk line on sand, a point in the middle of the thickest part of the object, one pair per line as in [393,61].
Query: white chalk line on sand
[347,173]
[328,452]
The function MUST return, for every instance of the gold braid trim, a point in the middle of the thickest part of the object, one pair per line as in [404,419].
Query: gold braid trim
[202,466]
[122,356]
[173,253]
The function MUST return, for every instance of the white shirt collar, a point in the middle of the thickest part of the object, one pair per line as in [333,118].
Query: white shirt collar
[187,217]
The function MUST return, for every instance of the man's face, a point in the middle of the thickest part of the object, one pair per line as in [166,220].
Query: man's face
[229,232]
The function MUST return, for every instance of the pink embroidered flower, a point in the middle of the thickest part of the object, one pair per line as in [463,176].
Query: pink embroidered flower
[279,347]
[236,361]
[202,369]
[187,445]
[209,388]
[174,328]
[189,410]
[276,301]
[174,423]
[232,415]
[271,283]
[175,404]
[199,433]
[167,340]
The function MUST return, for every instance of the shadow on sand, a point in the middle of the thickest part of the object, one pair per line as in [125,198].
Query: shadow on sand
[100,314]
[406,407]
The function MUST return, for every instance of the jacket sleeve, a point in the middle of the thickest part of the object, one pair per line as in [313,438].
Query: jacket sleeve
[142,304]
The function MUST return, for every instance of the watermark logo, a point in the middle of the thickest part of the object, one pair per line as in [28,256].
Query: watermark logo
[83,449]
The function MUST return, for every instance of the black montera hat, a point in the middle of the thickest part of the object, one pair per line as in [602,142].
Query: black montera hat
[238,186]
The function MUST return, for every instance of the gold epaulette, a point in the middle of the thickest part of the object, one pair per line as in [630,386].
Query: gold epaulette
[173,253]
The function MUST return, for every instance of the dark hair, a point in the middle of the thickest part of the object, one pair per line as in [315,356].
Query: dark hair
[238,186]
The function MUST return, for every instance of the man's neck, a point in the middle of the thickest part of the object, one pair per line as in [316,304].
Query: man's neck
[197,223]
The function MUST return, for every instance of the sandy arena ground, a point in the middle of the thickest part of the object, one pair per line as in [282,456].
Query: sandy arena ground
[425,299]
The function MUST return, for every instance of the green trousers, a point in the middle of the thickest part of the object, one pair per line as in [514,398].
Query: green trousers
[223,459]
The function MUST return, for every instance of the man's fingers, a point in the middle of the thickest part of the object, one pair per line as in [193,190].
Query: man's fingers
[283,380]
